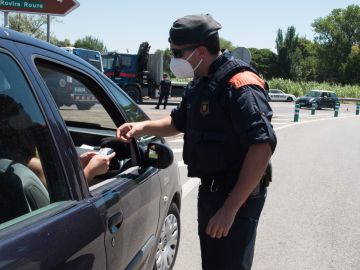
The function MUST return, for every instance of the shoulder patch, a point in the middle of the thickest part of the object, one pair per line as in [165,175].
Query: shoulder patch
[246,78]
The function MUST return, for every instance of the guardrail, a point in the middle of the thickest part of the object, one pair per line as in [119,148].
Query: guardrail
[350,99]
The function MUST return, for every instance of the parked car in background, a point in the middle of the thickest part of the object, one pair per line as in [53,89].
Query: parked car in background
[278,95]
[320,98]
[51,217]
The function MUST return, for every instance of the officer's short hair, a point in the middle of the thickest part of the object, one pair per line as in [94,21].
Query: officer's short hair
[212,43]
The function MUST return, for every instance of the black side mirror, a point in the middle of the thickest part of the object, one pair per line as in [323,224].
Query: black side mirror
[158,155]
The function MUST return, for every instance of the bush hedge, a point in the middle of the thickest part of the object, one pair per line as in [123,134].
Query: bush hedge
[301,88]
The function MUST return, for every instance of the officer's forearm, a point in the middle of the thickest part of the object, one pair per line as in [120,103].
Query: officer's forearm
[163,127]
[255,163]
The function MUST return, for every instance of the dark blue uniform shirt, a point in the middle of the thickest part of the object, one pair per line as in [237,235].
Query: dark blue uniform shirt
[248,110]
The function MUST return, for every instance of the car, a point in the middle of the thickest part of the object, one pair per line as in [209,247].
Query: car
[51,217]
[278,95]
[320,99]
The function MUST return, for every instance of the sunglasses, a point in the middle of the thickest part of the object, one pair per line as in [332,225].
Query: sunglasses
[178,53]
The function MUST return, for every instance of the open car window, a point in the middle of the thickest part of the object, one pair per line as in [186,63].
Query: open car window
[88,118]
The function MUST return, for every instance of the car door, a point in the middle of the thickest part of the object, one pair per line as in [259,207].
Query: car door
[128,198]
[282,96]
[42,213]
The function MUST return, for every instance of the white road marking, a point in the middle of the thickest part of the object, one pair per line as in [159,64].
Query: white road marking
[176,141]
[181,163]
[315,120]
[190,184]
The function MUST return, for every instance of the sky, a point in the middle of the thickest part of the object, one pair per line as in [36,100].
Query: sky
[123,25]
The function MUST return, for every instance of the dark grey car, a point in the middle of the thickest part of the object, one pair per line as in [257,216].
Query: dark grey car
[50,217]
[320,99]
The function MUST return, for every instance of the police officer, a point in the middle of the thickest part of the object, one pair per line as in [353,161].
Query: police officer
[228,140]
[165,87]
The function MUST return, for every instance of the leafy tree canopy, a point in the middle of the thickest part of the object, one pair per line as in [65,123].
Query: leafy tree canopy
[92,43]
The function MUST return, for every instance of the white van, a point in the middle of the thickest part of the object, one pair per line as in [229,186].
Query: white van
[90,56]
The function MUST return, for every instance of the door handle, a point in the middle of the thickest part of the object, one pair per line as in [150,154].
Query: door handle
[115,222]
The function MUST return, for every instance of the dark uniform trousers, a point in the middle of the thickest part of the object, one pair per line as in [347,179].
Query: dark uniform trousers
[163,95]
[236,251]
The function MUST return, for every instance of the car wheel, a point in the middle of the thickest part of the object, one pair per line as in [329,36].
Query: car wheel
[134,93]
[84,106]
[169,240]
[289,99]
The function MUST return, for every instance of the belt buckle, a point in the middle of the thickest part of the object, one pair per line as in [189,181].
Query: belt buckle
[213,188]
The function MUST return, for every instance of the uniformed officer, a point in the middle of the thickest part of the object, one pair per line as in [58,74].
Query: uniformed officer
[165,87]
[228,140]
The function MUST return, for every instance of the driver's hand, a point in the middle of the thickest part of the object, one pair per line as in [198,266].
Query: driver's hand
[98,164]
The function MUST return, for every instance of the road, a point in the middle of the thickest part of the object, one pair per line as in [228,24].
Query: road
[311,218]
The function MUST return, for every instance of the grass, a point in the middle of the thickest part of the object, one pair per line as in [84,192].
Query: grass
[301,88]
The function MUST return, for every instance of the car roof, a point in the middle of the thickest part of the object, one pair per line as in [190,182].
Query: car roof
[315,90]
[9,34]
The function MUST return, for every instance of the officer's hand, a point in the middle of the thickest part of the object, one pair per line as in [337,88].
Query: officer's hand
[220,224]
[128,131]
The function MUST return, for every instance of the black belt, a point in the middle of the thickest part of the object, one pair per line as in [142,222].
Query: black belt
[216,183]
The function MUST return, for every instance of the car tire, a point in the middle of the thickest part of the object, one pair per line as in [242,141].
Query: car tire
[84,106]
[134,92]
[289,99]
[168,244]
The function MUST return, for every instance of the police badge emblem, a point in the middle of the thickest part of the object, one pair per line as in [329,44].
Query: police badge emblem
[204,109]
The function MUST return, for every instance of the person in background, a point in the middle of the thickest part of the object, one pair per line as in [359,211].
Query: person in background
[165,88]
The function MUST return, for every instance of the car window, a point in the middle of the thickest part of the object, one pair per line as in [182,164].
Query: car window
[77,103]
[313,94]
[91,126]
[31,178]
[132,111]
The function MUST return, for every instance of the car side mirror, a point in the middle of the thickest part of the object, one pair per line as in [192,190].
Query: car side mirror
[159,155]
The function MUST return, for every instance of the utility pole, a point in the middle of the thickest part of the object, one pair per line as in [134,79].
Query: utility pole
[6,19]
[48,28]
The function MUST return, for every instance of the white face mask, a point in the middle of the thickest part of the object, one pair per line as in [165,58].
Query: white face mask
[182,68]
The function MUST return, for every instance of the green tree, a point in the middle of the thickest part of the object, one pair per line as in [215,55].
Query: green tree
[33,25]
[304,61]
[89,42]
[61,43]
[336,34]
[265,62]
[225,44]
[286,47]
[351,68]
[166,65]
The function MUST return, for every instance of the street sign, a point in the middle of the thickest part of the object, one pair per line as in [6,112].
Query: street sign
[47,7]
[242,53]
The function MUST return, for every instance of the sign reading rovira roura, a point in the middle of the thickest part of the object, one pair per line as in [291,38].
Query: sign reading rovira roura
[22,4]
[49,7]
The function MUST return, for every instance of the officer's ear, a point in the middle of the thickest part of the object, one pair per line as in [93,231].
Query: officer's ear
[202,51]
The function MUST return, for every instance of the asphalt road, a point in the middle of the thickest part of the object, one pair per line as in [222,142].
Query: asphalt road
[311,217]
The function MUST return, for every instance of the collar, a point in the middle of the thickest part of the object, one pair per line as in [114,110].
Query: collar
[219,61]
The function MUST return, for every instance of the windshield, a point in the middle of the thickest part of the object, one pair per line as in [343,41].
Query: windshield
[313,94]
[95,63]
[108,61]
